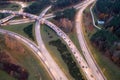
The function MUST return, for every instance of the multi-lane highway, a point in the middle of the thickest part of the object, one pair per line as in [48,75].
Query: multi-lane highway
[31,16]
[6,19]
[20,21]
[55,69]
[77,7]
[42,14]
[32,46]
[74,50]
[86,52]
[91,69]
[23,5]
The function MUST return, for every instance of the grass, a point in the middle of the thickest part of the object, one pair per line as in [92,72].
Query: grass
[68,59]
[53,50]
[88,23]
[29,61]
[5,76]
[73,37]
[9,6]
[20,29]
[2,15]
[46,34]
[17,17]
[110,70]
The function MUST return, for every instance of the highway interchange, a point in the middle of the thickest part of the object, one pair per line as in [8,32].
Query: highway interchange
[90,68]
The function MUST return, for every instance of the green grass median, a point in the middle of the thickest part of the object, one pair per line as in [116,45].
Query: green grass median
[49,37]
[26,30]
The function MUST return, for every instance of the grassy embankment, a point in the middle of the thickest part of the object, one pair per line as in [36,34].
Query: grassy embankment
[27,30]
[3,15]
[9,6]
[48,35]
[73,37]
[5,76]
[27,60]
[111,71]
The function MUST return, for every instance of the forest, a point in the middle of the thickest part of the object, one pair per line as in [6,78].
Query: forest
[107,40]
[109,11]
[18,0]
[38,5]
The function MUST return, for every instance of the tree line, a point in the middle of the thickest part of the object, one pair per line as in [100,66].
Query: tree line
[18,0]
[37,6]
[109,11]
[108,39]
[67,13]
[108,43]
[65,3]
[68,59]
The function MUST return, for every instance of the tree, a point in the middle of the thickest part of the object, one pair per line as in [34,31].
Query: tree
[64,3]
[67,13]
[37,6]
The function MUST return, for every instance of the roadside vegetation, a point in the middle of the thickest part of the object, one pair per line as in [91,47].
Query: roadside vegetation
[29,31]
[18,62]
[18,0]
[65,20]
[73,36]
[67,58]
[3,15]
[26,30]
[47,36]
[9,6]
[101,43]
[59,4]
[60,53]
[109,11]
[17,17]
[109,38]
[5,76]
[67,13]
[37,6]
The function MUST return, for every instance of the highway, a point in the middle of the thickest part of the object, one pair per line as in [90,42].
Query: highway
[31,16]
[50,15]
[82,63]
[91,69]
[55,69]
[77,7]
[12,16]
[52,67]
[6,19]
[42,14]
[73,48]
[86,52]
[22,4]
[32,46]
[20,21]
